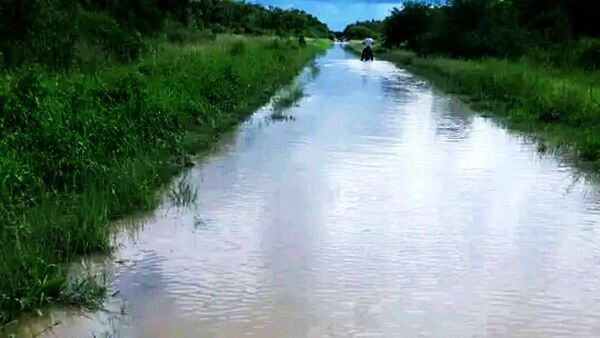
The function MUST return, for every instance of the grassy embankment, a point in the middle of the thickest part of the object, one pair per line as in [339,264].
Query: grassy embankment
[79,150]
[560,106]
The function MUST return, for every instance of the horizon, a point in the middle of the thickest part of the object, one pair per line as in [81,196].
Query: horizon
[337,14]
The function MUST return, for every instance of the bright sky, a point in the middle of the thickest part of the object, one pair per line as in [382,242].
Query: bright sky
[338,13]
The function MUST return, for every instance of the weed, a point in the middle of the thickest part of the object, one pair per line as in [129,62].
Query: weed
[302,41]
[287,97]
[87,291]
[79,150]
[182,193]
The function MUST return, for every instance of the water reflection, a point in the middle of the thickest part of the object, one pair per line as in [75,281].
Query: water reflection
[453,120]
[383,210]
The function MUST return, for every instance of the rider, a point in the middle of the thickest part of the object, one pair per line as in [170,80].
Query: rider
[367,53]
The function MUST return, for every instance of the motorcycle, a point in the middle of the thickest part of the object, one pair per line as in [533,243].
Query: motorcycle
[367,54]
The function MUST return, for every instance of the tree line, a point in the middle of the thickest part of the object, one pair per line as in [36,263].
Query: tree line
[55,32]
[559,30]
[362,29]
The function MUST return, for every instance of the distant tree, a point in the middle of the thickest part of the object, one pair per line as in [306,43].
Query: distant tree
[47,31]
[144,16]
[178,9]
[362,29]
[38,30]
[407,23]
[358,32]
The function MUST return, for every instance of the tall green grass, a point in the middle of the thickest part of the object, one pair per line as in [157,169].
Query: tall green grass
[78,150]
[560,105]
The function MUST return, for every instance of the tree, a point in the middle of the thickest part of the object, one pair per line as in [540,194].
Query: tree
[407,23]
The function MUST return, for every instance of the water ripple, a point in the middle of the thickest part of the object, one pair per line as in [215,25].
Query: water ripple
[383,210]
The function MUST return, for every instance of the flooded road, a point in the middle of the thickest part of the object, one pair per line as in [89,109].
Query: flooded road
[382,209]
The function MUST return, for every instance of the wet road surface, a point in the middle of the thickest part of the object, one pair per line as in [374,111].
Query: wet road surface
[382,209]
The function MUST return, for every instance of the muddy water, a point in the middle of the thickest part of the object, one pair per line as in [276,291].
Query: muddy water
[383,209]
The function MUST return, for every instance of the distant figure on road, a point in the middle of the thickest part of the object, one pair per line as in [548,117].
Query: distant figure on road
[367,53]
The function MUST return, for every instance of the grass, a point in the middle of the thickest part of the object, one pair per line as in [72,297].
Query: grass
[85,291]
[559,106]
[182,193]
[78,150]
[286,98]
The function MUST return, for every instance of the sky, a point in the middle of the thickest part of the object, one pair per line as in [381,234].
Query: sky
[338,13]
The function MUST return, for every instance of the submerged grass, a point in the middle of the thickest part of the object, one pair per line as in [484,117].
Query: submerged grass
[560,106]
[79,150]
[85,291]
[182,193]
[286,98]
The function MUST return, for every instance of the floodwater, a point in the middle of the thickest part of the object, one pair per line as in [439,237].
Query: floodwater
[382,209]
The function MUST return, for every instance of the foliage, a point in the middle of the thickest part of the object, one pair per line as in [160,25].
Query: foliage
[478,28]
[99,99]
[176,32]
[358,33]
[38,30]
[233,15]
[407,24]
[362,29]
[79,150]
[62,34]
[589,55]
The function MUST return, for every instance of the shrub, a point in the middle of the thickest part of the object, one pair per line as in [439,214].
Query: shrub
[218,29]
[406,24]
[176,32]
[126,44]
[238,48]
[301,41]
[42,31]
[589,57]
[275,43]
[138,15]
[359,33]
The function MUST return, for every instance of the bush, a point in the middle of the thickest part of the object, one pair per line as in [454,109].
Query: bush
[275,43]
[253,30]
[60,36]
[96,26]
[218,29]
[480,28]
[64,33]
[302,41]
[406,24]
[93,47]
[143,16]
[178,33]
[126,44]
[362,29]
[238,48]
[359,33]
[42,31]
[589,55]
[584,54]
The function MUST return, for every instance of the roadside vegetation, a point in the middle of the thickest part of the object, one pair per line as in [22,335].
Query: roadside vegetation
[76,34]
[361,30]
[562,107]
[102,101]
[535,63]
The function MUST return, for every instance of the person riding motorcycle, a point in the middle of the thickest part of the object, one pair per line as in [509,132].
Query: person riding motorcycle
[367,53]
